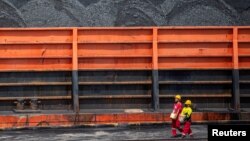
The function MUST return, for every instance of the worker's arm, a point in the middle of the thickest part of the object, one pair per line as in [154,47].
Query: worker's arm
[188,112]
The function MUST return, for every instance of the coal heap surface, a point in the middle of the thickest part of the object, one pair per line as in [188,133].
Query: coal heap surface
[10,16]
[53,13]
[65,13]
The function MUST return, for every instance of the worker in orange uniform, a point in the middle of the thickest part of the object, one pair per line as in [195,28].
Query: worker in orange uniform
[175,115]
[186,113]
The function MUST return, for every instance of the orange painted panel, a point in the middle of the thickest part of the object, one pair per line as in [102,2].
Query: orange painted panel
[86,50]
[235,49]
[195,49]
[195,63]
[114,35]
[244,49]
[115,63]
[195,35]
[244,35]
[244,62]
[106,118]
[155,49]
[49,120]
[62,120]
[124,118]
[36,51]
[12,121]
[35,36]
[123,48]
[35,64]
[75,50]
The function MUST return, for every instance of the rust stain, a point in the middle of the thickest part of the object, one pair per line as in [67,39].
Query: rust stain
[52,120]
[43,124]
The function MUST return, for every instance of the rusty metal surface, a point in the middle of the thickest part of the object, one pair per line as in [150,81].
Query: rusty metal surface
[65,120]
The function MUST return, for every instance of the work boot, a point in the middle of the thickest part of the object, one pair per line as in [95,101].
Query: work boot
[191,135]
[180,129]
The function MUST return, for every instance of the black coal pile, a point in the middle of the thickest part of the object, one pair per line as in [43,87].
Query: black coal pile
[53,13]
[245,17]
[10,16]
[88,2]
[202,13]
[18,3]
[64,13]
[102,13]
[139,13]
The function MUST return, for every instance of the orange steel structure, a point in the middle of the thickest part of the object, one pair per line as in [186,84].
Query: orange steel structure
[50,49]
[130,48]
[89,119]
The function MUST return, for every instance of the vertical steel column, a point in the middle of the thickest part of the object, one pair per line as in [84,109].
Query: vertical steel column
[155,78]
[235,71]
[75,86]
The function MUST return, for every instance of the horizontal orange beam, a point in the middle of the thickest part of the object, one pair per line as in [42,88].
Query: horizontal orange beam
[195,63]
[123,48]
[35,37]
[35,64]
[95,50]
[109,35]
[35,51]
[109,63]
[195,35]
[66,120]
[195,49]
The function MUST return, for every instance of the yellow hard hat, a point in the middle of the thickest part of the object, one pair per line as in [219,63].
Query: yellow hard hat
[178,97]
[188,102]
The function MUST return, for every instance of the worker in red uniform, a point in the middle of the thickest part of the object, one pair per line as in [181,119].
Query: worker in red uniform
[175,115]
[186,113]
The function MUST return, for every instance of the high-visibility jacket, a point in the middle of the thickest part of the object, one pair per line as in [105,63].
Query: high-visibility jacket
[177,108]
[187,112]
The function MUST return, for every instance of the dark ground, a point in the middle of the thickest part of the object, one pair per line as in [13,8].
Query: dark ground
[103,134]
[59,13]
